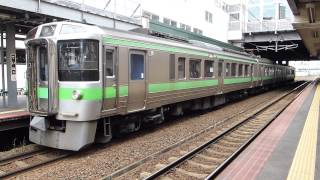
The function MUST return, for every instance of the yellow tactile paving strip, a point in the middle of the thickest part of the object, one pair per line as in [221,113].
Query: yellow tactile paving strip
[304,162]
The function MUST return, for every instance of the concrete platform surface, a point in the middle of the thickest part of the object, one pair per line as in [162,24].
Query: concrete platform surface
[288,148]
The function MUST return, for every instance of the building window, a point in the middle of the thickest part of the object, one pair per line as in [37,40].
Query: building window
[208,68]
[197,31]
[269,12]
[282,11]
[173,23]
[254,14]
[188,28]
[208,16]
[166,21]
[234,17]
[151,16]
[181,68]
[182,26]
[195,68]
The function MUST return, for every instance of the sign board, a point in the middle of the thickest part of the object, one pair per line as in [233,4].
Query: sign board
[13,73]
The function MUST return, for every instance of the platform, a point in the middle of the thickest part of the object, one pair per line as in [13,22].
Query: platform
[13,117]
[287,149]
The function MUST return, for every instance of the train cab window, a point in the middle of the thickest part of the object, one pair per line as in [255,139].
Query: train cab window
[181,68]
[220,69]
[78,60]
[246,70]
[240,71]
[228,70]
[233,69]
[195,68]
[43,63]
[208,68]
[137,66]
[109,60]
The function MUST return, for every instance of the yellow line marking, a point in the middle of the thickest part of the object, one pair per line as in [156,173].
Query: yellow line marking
[13,111]
[304,162]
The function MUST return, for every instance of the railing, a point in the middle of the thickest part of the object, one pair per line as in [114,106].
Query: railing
[267,25]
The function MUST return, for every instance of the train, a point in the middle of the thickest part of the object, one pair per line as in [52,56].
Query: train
[87,83]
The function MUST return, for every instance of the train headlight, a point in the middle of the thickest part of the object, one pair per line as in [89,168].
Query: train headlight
[76,95]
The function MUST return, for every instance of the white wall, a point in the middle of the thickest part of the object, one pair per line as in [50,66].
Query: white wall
[191,12]
[21,76]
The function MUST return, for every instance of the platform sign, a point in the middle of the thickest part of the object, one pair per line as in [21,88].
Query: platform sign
[13,73]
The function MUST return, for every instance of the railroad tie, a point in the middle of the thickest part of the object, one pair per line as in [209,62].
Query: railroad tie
[144,175]
[213,159]
[172,159]
[159,166]
[202,166]
[21,164]
[191,174]
[2,172]
[224,154]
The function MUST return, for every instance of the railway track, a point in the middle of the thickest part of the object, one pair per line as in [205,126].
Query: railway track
[212,148]
[26,161]
[209,159]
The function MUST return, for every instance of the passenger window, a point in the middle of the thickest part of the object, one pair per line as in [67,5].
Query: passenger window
[109,63]
[195,68]
[228,70]
[220,69]
[137,66]
[240,71]
[181,68]
[233,69]
[208,68]
[246,70]
[172,67]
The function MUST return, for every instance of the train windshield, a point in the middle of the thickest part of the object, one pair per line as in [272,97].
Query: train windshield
[78,60]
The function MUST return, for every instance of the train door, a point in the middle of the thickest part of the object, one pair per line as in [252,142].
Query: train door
[41,77]
[109,78]
[220,74]
[137,83]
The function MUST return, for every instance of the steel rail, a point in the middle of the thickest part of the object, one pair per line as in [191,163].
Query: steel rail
[192,153]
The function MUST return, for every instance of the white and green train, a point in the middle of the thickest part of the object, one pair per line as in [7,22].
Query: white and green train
[87,83]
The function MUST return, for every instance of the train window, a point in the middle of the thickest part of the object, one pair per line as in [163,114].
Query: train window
[233,69]
[43,63]
[71,29]
[109,63]
[172,67]
[195,68]
[228,72]
[137,66]
[47,30]
[181,68]
[240,71]
[208,68]
[246,70]
[220,69]
[78,60]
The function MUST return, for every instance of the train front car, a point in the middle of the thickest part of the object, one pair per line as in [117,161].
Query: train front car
[64,84]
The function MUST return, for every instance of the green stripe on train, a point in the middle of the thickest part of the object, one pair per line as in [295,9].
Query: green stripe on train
[163,87]
[87,93]
[236,80]
[172,49]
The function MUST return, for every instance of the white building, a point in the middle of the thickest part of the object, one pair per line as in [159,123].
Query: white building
[249,16]
[206,17]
